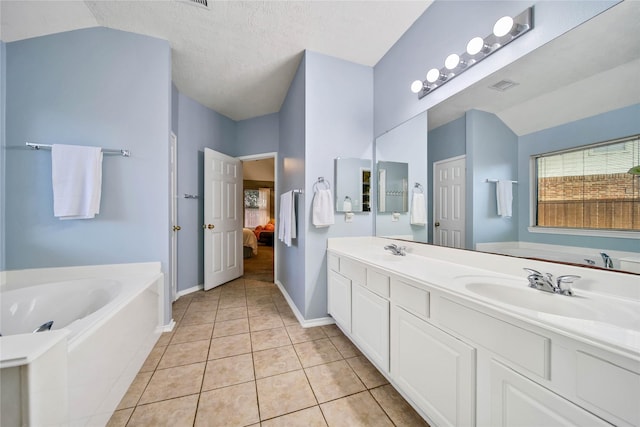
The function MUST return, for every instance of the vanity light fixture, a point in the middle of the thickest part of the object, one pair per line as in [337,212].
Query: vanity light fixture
[505,30]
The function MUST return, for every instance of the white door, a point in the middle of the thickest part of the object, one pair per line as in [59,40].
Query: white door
[448,202]
[174,216]
[223,218]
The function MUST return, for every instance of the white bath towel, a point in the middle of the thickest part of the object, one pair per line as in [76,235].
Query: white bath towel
[504,198]
[418,209]
[322,209]
[76,174]
[287,223]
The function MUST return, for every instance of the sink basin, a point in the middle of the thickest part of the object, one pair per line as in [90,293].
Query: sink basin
[533,299]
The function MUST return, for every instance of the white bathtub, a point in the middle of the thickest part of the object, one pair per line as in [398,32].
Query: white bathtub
[103,330]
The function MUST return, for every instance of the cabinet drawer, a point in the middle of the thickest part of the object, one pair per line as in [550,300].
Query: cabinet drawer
[520,346]
[412,299]
[378,283]
[608,387]
[333,261]
[353,270]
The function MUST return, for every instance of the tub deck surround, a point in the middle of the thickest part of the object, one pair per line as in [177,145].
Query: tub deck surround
[610,300]
[468,343]
[103,350]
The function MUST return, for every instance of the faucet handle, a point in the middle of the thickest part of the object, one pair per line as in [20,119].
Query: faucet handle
[532,272]
[563,284]
[402,250]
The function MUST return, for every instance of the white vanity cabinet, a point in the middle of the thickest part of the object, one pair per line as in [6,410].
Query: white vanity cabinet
[339,299]
[370,325]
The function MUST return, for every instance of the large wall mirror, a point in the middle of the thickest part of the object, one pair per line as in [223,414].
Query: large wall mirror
[591,96]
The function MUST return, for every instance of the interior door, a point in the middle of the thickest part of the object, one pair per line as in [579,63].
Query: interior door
[223,218]
[448,202]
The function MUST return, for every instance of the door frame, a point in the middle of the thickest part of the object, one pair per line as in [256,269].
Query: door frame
[270,155]
[173,246]
[434,196]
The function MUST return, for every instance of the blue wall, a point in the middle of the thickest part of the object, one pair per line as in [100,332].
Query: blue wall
[492,153]
[291,175]
[257,135]
[446,27]
[603,127]
[198,127]
[96,87]
[339,123]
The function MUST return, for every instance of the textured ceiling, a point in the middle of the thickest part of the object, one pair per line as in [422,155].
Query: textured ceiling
[236,57]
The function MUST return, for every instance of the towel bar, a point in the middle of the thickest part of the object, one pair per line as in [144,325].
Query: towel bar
[36,146]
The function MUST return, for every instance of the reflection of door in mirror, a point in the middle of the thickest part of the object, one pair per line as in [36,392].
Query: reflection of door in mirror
[448,202]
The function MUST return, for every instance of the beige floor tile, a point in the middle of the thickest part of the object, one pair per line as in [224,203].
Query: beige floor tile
[202,295]
[184,353]
[204,304]
[311,417]
[345,346]
[358,410]
[367,373]
[174,382]
[228,371]
[131,397]
[230,327]
[317,352]
[187,333]
[232,302]
[331,330]
[252,283]
[284,393]
[177,315]
[231,313]
[289,319]
[262,310]
[333,380]
[255,300]
[153,359]
[299,334]
[120,418]
[239,283]
[270,321]
[228,407]
[258,291]
[275,361]
[165,339]
[198,317]
[182,303]
[400,412]
[170,413]
[269,338]
[231,345]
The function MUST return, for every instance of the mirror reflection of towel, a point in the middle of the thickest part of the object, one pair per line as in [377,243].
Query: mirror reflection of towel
[504,198]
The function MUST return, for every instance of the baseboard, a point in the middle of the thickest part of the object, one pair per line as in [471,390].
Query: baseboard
[169,327]
[320,321]
[189,291]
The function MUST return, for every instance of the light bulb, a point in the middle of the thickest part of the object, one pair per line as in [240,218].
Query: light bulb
[475,45]
[416,86]
[452,61]
[433,75]
[503,26]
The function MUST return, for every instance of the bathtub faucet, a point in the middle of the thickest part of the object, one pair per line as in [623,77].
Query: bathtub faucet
[395,249]
[44,327]
[608,262]
[545,282]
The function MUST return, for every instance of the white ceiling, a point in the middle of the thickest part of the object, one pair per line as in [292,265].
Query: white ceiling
[236,57]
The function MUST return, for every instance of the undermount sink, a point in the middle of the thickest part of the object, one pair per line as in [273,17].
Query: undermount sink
[533,299]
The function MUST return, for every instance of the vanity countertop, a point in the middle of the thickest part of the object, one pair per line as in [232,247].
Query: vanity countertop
[494,282]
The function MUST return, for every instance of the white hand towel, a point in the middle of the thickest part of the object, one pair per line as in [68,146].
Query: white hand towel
[504,198]
[418,209]
[322,209]
[76,175]
[287,223]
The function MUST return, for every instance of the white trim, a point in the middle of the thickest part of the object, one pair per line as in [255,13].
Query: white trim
[190,290]
[586,232]
[320,321]
[169,327]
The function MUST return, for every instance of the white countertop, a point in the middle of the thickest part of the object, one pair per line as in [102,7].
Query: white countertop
[611,322]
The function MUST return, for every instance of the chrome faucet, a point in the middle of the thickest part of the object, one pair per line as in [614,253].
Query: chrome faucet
[608,262]
[395,249]
[545,282]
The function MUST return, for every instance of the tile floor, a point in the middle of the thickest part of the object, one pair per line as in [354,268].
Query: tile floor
[239,357]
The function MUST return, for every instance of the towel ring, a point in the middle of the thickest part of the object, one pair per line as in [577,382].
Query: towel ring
[417,188]
[321,181]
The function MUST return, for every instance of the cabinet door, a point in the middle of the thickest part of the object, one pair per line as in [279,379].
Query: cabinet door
[518,401]
[339,300]
[434,369]
[370,325]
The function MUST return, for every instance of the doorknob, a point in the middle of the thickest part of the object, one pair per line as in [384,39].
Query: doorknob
[209,226]
[437,224]
[177,228]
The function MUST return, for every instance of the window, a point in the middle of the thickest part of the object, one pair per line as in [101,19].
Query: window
[589,188]
[256,207]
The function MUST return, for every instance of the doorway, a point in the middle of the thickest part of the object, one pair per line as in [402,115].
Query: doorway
[259,213]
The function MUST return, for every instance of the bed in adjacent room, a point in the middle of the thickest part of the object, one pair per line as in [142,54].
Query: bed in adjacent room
[249,243]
